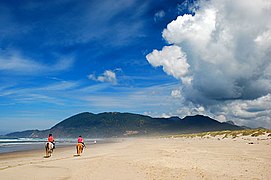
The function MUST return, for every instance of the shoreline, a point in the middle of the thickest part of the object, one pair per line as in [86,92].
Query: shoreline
[28,152]
[32,145]
[64,147]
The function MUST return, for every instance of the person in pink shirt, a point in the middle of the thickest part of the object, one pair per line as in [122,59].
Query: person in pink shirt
[80,140]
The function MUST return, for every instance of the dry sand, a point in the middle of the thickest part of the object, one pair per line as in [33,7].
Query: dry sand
[147,158]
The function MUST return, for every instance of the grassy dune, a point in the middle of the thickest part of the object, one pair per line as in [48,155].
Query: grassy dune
[227,133]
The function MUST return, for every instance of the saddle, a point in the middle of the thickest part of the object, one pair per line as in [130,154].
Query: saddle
[80,145]
[51,145]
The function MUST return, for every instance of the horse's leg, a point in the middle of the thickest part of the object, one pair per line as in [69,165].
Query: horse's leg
[51,149]
[46,149]
[77,149]
[80,149]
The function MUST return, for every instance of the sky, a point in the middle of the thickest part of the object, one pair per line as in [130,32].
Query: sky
[159,58]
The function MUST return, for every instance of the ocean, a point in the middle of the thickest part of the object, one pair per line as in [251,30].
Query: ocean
[22,144]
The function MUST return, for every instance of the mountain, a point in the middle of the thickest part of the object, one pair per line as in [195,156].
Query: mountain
[115,124]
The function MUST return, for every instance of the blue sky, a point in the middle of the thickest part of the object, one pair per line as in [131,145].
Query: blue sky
[159,58]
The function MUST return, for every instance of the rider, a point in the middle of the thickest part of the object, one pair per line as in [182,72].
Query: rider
[80,140]
[51,139]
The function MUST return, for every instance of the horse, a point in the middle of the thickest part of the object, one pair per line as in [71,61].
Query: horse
[79,148]
[49,147]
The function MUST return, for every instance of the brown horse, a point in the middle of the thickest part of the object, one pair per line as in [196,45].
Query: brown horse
[49,147]
[79,148]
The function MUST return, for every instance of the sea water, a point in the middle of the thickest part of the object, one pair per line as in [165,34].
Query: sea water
[22,144]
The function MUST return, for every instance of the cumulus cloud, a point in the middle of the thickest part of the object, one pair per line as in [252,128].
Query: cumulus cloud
[107,76]
[196,29]
[172,59]
[224,51]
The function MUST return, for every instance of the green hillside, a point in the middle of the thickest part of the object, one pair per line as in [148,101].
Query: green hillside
[115,124]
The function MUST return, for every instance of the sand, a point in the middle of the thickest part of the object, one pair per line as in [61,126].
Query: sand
[147,158]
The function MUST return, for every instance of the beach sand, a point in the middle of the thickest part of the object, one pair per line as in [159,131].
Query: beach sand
[147,158]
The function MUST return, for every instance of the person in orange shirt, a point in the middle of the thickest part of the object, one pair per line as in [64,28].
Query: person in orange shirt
[51,139]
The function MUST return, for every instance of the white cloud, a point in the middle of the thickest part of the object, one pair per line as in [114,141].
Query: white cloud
[226,49]
[159,15]
[176,93]
[63,85]
[131,99]
[13,61]
[78,24]
[253,113]
[196,29]
[92,77]
[17,63]
[107,76]
[190,109]
[172,59]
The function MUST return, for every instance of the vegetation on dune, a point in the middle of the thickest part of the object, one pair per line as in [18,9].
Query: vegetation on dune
[227,133]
